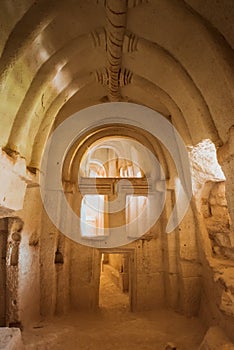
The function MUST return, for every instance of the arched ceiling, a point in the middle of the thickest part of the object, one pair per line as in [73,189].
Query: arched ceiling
[58,57]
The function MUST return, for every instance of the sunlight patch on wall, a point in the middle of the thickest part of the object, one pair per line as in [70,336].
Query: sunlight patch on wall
[204,165]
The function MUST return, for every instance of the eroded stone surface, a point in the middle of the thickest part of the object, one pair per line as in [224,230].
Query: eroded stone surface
[10,339]
[217,219]
[215,339]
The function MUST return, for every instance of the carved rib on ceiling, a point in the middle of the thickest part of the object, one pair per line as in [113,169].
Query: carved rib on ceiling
[35,20]
[150,93]
[116,17]
[166,66]
[134,3]
[77,84]
[46,73]
[124,77]
[131,43]
[130,3]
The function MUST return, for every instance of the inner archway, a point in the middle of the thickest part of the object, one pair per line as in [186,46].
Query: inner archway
[121,166]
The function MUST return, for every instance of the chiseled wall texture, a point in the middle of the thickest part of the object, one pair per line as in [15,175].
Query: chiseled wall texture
[175,57]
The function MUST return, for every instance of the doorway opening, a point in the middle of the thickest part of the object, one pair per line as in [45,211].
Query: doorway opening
[115,281]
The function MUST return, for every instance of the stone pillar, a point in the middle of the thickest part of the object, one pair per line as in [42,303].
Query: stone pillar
[62,263]
[15,226]
[170,258]
[189,265]
[84,266]
[3,248]
[48,248]
[62,268]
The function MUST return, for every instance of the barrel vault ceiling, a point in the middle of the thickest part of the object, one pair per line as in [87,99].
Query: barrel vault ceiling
[58,57]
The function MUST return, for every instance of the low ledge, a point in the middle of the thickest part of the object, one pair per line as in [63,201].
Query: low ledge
[10,339]
[215,339]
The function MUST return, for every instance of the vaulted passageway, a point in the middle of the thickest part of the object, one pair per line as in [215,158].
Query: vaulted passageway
[124,173]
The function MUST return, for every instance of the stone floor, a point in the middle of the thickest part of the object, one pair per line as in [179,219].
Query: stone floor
[114,327]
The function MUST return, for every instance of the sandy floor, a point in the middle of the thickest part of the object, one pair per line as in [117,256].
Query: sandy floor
[111,297]
[114,327]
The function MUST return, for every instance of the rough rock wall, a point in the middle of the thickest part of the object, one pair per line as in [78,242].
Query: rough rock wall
[216,251]
[217,219]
